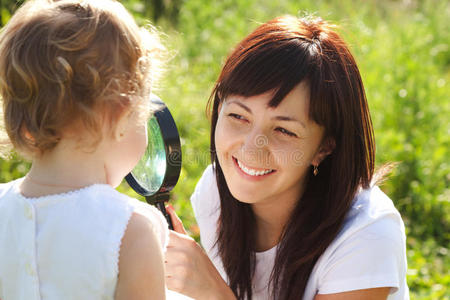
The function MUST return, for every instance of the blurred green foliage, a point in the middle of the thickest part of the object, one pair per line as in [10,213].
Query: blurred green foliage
[402,48]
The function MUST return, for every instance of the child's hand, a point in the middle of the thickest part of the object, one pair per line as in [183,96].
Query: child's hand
[189,271]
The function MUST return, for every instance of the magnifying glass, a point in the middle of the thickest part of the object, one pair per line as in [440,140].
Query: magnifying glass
[158,170]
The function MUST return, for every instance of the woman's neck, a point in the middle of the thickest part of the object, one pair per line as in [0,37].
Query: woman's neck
[272,216]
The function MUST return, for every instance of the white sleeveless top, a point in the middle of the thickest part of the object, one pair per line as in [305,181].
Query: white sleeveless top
[65,246]
[368,252]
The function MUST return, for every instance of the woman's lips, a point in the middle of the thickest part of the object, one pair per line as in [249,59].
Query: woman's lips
[248,172]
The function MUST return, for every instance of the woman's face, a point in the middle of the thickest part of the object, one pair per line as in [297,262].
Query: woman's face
[265,153]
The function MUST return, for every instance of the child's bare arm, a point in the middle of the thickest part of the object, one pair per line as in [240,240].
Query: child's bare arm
[141,270]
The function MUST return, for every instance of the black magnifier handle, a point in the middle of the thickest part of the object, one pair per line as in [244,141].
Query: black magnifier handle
[162,208]
[159,200]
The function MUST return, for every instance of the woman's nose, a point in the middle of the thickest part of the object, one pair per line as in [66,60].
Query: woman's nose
[255,146]
[256,139]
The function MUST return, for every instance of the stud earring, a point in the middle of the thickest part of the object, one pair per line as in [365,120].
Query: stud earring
[316,171]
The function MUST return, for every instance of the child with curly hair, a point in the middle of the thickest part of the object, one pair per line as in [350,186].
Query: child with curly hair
[75,80]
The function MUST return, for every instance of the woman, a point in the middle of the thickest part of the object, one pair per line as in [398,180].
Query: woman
[288,208]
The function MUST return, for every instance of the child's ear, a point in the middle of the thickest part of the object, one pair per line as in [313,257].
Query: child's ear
[27,134]
[29,138]
[325,149]
[122,124]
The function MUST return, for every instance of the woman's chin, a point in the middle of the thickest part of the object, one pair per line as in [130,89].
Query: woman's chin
[248,197]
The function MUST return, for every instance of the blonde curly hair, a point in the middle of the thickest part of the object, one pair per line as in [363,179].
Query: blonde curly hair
[72,62]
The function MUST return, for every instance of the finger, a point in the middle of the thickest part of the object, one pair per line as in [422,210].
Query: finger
[170,270]
[174,238]
[174,284]
[181,242]
[176,221]
[176,256]
[178,281]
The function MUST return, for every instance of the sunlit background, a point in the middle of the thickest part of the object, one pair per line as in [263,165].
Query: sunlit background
[402,48]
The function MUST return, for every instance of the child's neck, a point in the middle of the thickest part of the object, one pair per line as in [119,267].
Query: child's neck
[63,169]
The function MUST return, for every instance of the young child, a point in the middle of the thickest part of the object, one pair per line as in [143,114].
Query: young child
[74,80]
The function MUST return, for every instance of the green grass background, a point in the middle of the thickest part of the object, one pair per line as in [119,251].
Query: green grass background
[402,49]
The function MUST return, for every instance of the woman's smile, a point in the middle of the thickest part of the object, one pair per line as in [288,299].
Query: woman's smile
[251,172]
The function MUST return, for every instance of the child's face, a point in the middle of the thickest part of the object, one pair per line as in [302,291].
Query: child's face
[127,148]
[266,152]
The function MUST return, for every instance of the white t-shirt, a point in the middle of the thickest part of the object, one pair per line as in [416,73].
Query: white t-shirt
[369,251]
[65,246]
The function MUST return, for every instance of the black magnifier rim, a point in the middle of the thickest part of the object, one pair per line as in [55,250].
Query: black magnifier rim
[172,147]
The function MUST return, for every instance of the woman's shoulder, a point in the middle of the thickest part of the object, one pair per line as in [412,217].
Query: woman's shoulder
[374,202]
[372,211]
[369,250]
[372,207]
[373,228]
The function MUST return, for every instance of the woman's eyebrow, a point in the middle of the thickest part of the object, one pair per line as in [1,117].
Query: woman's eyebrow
[291,119]
[246,108]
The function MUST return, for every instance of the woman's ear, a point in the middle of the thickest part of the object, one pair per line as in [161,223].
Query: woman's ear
[325,149]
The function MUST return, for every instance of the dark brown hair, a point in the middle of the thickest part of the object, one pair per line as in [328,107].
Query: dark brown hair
[277,56]
[71,61]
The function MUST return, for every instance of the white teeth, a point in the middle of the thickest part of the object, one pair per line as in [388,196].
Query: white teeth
[252,172]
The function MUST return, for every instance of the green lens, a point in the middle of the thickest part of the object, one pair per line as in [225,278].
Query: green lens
[150,170]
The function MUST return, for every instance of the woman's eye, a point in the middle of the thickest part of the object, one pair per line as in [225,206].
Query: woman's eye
[285,132]
[236,116]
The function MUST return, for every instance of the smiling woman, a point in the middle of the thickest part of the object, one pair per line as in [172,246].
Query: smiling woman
[289,208]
